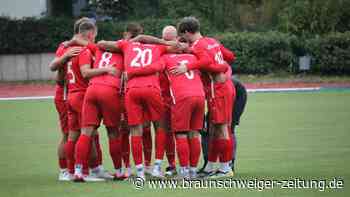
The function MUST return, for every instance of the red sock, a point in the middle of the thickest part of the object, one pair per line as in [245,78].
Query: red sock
[147,145]
[82,150]
[126,149]
[62,162]
[115,151]
[225,150]
[98,161]
[183,151]
[170,148]
[160,143]
[136,149]
[69,149]
[195,151]
[212,150]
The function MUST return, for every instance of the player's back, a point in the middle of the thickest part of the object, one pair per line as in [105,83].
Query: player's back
[138,55]
[212,47]
[103,59]
[187,84]
[76,82]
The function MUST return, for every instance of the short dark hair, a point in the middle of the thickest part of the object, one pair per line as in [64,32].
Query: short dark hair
[134,29]
[78,22]
[86,26]
[188,24]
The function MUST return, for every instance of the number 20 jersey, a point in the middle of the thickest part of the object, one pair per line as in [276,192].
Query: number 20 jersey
[138,55]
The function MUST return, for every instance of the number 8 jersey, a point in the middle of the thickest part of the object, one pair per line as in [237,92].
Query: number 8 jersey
[138,55]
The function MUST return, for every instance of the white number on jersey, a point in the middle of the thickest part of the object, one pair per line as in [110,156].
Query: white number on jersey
[106,58]
[70,72]
[218,58]
[188,74]
[143,58]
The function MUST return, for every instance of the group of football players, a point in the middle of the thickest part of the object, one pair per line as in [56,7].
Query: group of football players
[138,82]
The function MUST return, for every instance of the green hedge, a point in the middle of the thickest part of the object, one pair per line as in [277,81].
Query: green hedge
[330,53]
[261,52]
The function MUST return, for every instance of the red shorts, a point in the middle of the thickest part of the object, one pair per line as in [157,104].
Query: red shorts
[75,105]
[62,110]
[143,104]
[221,106]
[166,117]
[101,102]
[188,114]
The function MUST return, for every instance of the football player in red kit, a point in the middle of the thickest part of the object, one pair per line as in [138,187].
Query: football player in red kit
[143,99]
[78,72]
[220,92]
[59,64]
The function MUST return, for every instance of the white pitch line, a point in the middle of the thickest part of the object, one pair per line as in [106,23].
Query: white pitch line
[249,90]
[26,98]
[283,89]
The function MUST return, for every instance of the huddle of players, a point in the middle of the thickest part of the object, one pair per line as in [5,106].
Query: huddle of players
[143,79]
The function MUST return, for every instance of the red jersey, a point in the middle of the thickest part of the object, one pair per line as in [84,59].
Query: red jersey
[138,55]
[59,93]
[184,85]
[102,59]
[76,82]
[215,53]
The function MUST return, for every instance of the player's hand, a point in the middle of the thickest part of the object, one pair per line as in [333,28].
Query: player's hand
[112,70]
[180,69]
[74,51]
[183,46]
[101,44]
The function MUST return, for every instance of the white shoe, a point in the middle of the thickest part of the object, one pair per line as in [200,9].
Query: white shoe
[100,172]
[140,173]
[157,172]
[64,175]
[89,178]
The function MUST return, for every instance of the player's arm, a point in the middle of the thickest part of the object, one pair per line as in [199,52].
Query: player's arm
[155,67]
[228,55]
[88,72]
[171,46]
[78,40]
[112,46]
[203,63]
[60,76]
[85,62]
[59,62]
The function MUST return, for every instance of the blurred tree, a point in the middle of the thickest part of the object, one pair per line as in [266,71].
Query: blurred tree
[60,8]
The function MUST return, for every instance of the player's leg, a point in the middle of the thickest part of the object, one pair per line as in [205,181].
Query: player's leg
[90,116]
[222,119]
[183,153]
[170,141]
[62,110]
[109,102]
[147,147]
[154,111]
[196,124]
[204,142]
[180,123]
[135,120]
[124,130]
[74,129]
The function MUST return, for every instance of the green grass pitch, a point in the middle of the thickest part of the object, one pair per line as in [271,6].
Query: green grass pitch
[282,136]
